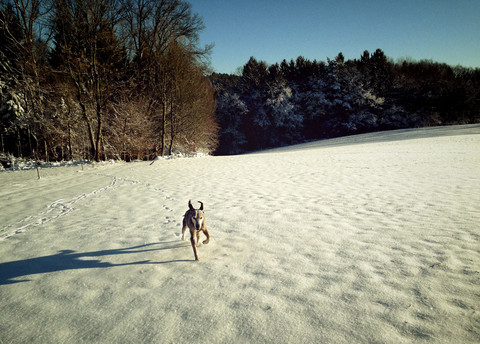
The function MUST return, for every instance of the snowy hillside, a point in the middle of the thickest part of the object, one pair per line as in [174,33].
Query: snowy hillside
[369,238]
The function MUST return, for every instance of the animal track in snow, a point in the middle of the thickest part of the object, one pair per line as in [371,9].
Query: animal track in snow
[138,182]
[54,210]
[62,207]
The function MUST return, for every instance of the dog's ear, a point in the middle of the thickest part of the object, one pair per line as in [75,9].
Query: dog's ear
[190,206]
[201,205]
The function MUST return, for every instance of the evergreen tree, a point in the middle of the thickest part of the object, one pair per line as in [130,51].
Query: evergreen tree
[11,99]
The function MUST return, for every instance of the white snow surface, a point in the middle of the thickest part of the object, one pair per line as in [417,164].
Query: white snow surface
[372,238]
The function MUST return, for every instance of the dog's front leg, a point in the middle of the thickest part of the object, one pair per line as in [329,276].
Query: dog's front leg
[192,240]
[198,237]
[184,229]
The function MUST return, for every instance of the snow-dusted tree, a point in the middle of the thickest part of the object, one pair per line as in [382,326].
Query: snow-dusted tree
[337,104]
[11,100]
[21,26]
[310,102]
[231,112]
[280,123]
[12,110]
[351,105]
[252,92]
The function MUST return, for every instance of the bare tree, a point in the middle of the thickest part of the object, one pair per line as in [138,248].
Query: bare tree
[88,51]
[154,27]
[191,102]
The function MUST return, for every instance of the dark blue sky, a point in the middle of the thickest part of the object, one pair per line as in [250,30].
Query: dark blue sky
[442,30]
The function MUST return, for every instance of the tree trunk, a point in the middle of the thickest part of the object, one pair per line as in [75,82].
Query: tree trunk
[172,127]
[89,128]
[46,151]
[69,127]
[84,114]
[29,133]
[19,143]
[124,143]
[98,104]
[164,124]
[70,141]
[99,135]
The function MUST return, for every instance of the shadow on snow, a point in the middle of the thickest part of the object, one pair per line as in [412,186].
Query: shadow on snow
[70,260]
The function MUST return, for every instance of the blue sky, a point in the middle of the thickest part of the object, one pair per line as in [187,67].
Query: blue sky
[442,30]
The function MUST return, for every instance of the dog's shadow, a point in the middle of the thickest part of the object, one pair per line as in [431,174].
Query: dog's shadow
[71,260]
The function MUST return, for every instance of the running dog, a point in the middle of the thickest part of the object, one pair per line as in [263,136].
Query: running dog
[194,219]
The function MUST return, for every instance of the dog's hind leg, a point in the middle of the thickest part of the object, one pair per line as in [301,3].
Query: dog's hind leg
[192,240]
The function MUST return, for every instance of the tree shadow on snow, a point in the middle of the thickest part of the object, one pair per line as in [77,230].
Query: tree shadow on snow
[71,260]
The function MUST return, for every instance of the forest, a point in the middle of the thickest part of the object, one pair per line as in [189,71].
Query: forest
[266,106]
[128,79]
[103,79]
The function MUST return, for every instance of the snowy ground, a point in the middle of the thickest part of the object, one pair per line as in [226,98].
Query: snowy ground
[365,239]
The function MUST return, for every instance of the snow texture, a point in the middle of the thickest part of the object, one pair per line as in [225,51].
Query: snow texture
[365,239]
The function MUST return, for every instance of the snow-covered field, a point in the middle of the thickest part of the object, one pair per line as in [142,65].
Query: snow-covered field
[365,239]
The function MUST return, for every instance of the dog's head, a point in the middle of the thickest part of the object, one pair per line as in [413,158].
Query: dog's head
[197,217]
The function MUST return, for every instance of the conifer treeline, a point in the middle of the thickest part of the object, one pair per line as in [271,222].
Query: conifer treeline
[103,79]
[267,106]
